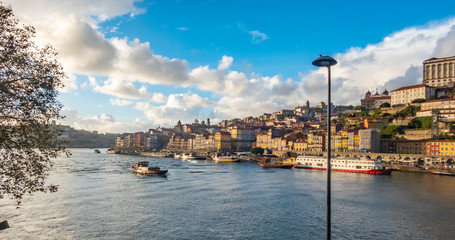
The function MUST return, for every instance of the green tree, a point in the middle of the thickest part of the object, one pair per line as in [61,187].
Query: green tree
[390,131]
[257,151]
[385,105]
[418,100]
[29,79]
[375,113]
[409,110]
[360,107]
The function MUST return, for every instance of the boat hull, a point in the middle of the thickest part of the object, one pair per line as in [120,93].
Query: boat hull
[287,166]
[151,172]
[369,171]
[442,173]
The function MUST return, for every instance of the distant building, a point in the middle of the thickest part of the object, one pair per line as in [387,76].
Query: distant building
[371,102]
[405,95]
[439,72]
[446,108]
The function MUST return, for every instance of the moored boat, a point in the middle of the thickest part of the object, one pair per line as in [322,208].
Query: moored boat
[111,151]
[226,159]
[275,165]
[444,173]
[96,151]
[343,164]
[192,157]
[142,167]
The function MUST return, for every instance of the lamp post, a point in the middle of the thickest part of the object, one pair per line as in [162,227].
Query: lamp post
[326,61]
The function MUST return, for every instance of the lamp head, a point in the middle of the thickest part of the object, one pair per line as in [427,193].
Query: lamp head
[324,61]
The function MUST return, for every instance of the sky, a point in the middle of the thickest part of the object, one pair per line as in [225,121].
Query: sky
[135,65]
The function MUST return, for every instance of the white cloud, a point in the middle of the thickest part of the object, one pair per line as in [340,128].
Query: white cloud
[257,36]
[184,107]
[159,98]
[398,56]
[103,123]
[225,63]
[182,28]
[120,102]
[130,66]
[123,89]
[69,84]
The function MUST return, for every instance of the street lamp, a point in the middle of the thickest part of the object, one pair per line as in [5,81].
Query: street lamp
[326,61]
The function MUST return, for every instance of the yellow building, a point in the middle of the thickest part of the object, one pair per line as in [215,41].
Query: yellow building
[223,142]
[446,147]
[300,145]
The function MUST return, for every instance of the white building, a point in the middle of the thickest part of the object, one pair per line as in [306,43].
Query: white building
[439,72]
[446,108]
[405,95]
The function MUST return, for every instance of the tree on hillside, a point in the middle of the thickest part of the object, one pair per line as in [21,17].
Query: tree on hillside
[385,105]
[257,151]
[29,78]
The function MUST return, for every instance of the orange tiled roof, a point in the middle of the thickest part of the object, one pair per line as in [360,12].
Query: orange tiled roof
[410,87]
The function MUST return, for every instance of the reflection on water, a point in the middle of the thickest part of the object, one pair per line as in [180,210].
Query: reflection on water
[100,198]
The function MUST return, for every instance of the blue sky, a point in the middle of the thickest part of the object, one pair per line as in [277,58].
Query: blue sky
[134,65]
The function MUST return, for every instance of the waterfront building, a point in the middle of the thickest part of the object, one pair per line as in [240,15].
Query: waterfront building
[445,107]
[152,142]
[242,138]
[316,141]
[371,102]
[433,147]
[405,95]
[439,72]
[388,146]
[369,140]
[223,142]
[447,148]
[300,145]
[181,142]
[268,140]
[412,147]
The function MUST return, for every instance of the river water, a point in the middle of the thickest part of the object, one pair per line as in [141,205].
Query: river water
[100,198]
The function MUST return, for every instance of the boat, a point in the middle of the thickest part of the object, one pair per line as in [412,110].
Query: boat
[368,166]
[177,156]
[226,159]
[275,165]
[96,151]
[142,167]
[442,172]
[111,151]
[192,157]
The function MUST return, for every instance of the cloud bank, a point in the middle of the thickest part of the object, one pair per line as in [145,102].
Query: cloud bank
[130,67]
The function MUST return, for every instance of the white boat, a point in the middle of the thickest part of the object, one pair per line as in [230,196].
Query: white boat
[142,167]
[343,165]
[192,157]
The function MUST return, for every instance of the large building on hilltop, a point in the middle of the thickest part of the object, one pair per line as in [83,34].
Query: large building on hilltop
[407,94]
[371,102]
[439,72]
